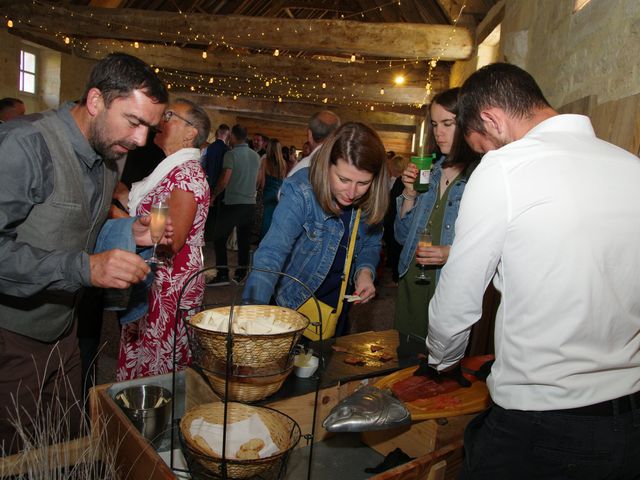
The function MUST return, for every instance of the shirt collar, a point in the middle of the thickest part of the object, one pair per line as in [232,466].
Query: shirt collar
[79,142]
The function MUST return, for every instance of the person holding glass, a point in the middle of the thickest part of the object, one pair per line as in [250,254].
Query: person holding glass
[431,215]
[347,183]
[146,345]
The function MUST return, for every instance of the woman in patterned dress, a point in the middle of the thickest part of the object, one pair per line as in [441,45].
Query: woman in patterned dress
[146,345]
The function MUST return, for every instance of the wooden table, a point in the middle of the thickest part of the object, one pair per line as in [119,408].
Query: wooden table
[140,460]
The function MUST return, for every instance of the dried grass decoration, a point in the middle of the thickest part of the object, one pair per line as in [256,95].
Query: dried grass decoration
[257,438]
[263,341]
[51,448]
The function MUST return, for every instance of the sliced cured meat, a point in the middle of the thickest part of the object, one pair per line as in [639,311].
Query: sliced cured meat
[338,348]
[415,387]
[386,356]
[353,360]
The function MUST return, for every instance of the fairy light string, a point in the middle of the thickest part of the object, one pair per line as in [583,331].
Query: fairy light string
[185,35]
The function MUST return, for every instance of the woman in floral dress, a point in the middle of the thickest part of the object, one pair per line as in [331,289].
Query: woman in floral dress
[146,345]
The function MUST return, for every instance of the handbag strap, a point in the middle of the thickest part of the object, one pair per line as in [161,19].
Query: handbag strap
[347,263]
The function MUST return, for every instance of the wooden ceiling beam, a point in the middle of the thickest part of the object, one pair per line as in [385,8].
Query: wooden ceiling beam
[451,8]
[297,113]
[260,66]
[364,96]
[106,3]
[391,40]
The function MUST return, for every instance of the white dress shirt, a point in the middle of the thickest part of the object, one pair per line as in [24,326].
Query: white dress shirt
[556,217]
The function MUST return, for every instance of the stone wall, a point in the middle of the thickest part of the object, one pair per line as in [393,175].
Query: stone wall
[573,55]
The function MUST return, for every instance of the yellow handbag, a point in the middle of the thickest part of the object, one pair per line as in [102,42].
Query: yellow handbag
[328,315]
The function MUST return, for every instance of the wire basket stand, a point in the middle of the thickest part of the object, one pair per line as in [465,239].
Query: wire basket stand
[194,459]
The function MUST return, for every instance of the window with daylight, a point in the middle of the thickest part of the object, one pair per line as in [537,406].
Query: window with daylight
[27,72]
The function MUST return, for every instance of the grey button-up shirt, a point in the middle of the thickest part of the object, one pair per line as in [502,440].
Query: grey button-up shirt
[26,179]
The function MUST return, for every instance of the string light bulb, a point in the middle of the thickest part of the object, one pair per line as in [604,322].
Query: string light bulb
[10,23]
[353,58]
[204,55]
[136,45]
[157,70]
[276,52]
[399,80]
[382,91]
[324,85]
[67,40]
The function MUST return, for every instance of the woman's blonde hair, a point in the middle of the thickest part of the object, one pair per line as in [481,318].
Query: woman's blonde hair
[275,160]
[360,146]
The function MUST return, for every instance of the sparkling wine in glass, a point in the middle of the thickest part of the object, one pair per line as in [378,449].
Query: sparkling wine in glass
[424,240]
[159,212]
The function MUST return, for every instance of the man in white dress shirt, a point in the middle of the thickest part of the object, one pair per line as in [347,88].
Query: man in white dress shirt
[552,215]
[321,125]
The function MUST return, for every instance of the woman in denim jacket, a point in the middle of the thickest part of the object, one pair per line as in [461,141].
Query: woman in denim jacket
[312,223]
[436,209]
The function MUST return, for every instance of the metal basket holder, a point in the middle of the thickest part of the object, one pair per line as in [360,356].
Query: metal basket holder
[279,469]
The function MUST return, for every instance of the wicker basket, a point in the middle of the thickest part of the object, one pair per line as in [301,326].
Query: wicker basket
[284,432]
[248,389]
[253,354]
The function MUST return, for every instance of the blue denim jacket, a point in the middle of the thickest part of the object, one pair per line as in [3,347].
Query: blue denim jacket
[134,303]
[302,241]
[407,228]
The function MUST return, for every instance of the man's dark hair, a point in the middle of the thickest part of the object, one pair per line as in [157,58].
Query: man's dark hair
[200,120]
[322,124]
[9,102]
[222,128]
[239,132]
[498,85]
[119,74]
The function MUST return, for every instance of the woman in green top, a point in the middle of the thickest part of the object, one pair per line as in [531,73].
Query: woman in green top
[436,209]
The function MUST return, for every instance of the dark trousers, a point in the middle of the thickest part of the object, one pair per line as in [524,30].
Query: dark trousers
[89,312]
[520,445]
[44,380]
[210,224]
[230,216]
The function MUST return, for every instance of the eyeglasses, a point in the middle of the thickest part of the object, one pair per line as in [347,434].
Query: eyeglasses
[170,113]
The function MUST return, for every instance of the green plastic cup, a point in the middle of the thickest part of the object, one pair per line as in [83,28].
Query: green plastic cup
[421,183]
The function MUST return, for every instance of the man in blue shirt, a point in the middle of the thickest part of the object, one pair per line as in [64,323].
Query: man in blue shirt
[213,167]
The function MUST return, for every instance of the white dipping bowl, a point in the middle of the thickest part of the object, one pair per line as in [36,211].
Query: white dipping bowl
[307,370]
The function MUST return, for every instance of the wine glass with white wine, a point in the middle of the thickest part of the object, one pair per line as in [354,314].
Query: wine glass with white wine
[424,240]
[159,212]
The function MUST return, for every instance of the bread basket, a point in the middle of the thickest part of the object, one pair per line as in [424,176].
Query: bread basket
[283,430]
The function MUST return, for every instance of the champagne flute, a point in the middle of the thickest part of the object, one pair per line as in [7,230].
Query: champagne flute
[424,240]
[159,212]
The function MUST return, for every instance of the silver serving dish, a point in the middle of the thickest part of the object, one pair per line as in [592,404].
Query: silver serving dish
[366,410]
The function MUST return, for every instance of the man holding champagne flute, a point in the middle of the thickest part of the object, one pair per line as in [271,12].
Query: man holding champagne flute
[58,174]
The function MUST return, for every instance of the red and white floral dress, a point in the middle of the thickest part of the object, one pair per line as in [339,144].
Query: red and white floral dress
[146,345]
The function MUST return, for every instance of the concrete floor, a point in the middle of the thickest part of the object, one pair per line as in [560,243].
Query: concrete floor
[376,315]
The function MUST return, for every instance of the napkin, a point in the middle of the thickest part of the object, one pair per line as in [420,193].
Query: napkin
[238,433]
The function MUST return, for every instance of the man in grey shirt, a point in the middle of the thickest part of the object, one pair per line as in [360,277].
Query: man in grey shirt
[238,181]
[57,174]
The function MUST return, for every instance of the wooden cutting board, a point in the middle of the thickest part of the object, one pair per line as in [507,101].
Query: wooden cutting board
[459,402]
